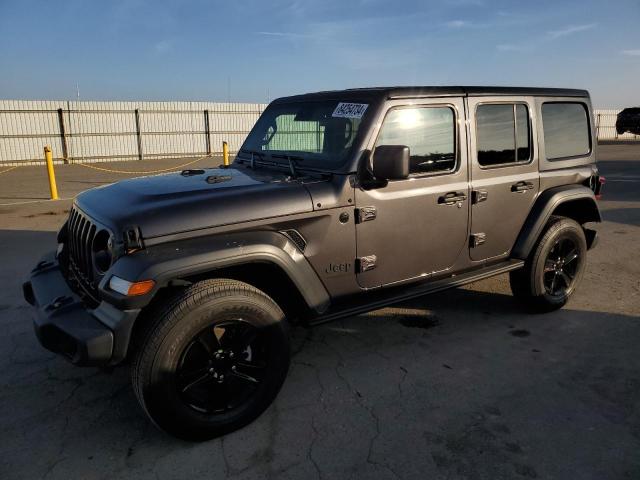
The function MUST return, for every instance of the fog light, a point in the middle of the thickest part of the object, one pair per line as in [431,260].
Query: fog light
[124,287]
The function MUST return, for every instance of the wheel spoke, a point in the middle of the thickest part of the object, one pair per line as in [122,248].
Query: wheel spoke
[188,375]
[198,381]
[244,376]
[209,341]
[571,256]
[237,336]
[251,365]
[549,265]
[245,339]
[553,285]
[565,278]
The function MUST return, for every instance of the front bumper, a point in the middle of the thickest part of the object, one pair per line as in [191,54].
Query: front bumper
[65,325]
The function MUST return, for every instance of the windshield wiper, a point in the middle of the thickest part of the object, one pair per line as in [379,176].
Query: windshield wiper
[253,154]
[292,159]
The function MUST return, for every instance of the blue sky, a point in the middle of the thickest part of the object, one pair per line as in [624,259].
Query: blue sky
[251,50]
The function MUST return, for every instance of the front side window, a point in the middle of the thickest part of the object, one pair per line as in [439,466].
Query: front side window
[566,129]
[503,134]
[320,134]
[429,132]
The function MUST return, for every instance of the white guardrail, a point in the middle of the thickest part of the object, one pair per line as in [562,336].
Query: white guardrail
[107,131]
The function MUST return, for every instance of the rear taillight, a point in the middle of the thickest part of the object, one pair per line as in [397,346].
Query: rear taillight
[599,185]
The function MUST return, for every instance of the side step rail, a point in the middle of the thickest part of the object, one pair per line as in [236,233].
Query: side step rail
[366,302]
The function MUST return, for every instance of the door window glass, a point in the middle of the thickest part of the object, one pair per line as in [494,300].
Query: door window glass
[503,134]
[429,132]
[523,138]
[566,130]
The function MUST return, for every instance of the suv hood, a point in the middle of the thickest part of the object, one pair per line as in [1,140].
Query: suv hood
[194,199]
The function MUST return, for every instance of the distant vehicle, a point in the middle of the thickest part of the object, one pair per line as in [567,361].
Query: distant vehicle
[336,204]
[628,121]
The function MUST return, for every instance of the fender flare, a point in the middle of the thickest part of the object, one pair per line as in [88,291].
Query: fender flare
[166,262]
[544,207]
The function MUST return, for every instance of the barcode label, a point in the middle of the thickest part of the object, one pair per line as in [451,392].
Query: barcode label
[350,110]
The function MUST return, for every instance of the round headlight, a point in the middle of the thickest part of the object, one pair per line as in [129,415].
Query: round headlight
[102,251]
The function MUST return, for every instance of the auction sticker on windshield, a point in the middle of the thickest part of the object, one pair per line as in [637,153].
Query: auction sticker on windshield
[350,110]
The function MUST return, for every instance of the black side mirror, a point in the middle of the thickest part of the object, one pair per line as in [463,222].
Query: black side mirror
[391,162]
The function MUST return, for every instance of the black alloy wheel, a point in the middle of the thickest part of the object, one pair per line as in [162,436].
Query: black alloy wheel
[211,358]
[554,268]
[561,266]
[222,366]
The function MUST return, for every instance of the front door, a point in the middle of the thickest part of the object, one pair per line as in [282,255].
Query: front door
[504,172]
[416,227]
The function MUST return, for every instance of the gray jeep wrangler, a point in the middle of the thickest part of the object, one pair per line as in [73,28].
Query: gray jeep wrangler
[337,203]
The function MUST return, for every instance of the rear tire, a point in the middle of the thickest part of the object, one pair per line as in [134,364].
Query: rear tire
[212,360]
[554,268]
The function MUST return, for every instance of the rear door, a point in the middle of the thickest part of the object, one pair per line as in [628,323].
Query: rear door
[504,172]
[415,227]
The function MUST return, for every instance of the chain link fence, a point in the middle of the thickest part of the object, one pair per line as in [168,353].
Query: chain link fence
[606,126]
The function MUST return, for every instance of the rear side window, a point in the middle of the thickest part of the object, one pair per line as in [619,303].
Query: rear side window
[566,130]
[503,134]
[429,132]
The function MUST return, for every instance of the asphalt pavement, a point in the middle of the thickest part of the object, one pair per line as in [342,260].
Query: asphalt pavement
[458,385]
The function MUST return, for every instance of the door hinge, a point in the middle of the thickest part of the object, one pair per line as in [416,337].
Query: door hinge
[365,214]
[477,239]
[479,196]
[364,264]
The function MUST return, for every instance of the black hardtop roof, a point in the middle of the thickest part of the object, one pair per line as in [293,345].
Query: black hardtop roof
[379,93]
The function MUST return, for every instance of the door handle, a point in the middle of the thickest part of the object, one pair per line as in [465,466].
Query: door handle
[452,198]
[521,187]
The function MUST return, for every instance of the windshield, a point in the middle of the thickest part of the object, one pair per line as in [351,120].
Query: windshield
[318,134]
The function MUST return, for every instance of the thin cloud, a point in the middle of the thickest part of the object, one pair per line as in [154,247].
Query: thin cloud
[631,53]
[284,34]
[465,3]
[163,46]
[570,30]
[510,48]
[457,24]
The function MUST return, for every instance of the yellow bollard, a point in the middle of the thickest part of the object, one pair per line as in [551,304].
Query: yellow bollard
[225,153]
[52,175]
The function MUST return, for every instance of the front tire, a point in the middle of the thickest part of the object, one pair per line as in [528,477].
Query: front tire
[212,360]
[555,267]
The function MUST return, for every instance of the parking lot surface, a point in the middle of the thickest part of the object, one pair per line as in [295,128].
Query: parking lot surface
[457,385]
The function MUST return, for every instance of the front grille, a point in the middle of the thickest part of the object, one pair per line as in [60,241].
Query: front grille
[81,232]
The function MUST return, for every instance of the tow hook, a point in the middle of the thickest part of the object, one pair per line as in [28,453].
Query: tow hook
[42,265]
[58,303]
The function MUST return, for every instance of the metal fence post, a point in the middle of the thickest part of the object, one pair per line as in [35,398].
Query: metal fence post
[63,136]
[207,132]
[138,134]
